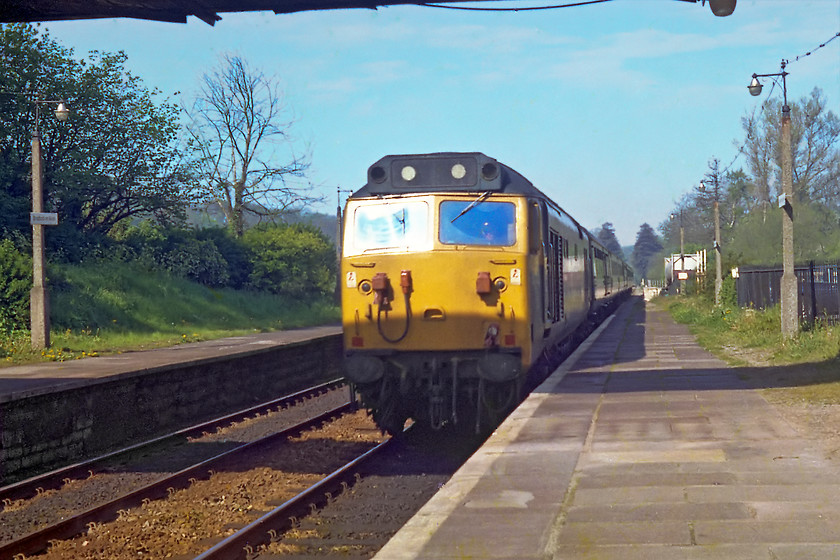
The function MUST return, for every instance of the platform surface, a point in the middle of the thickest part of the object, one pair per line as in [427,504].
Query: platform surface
[640,446]
[18,382]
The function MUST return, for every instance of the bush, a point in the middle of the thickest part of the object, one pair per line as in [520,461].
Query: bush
[15,283]
[180,252]
[296,260]
[234,252]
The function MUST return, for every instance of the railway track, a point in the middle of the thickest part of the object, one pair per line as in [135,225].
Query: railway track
[17,496]
[57,478]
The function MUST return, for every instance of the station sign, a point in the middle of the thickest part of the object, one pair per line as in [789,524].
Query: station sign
[43,218]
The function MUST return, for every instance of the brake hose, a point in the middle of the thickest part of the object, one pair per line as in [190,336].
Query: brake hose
[407,321]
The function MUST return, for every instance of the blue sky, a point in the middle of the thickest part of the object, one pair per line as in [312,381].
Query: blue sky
[613,110]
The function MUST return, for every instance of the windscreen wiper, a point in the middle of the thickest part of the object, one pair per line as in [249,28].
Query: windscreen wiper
[472,205]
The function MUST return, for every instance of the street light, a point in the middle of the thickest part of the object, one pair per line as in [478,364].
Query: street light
[39,300]
[718,269]
[682,245]
[790,307]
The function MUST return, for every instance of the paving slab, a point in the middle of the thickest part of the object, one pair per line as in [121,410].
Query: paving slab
[641,446]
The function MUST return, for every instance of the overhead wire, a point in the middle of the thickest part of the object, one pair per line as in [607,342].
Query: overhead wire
[526,9]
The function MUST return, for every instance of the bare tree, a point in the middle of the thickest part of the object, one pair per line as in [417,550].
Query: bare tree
[816,151]
[240,126]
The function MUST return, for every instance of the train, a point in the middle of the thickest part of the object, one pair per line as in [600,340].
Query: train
[457,277]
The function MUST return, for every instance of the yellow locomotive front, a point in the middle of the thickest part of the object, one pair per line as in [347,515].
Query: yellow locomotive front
[435,290]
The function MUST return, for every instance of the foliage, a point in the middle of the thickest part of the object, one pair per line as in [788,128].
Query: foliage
[238,126]
[646,247]
[115,158]
[757,239]
[180,252]
[750,219]
[15,283]
[728,292]
[606,235]
[295,260]
[815,132]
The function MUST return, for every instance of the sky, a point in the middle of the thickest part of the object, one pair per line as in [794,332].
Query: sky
[614,110]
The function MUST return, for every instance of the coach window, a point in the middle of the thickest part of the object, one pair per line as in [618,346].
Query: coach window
[483,223]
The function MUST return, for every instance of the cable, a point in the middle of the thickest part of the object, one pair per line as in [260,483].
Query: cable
[528,9]
[812,51]
[407,322]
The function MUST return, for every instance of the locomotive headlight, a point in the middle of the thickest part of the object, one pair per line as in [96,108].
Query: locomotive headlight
[500,284]
[365,287]
[408,173]
[458,171]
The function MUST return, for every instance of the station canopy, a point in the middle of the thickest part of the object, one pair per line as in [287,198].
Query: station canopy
[177,11]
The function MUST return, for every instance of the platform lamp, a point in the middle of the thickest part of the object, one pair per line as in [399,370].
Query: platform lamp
[682,243]
[39,303]
[790,306]
[718,270]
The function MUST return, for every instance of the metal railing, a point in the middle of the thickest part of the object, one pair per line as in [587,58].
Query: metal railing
[818,289]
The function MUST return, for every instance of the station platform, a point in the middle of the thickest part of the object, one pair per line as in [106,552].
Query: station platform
[641,445]
[54,414]
[17,382]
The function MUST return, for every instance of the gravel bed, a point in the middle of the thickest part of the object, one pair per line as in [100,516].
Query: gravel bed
[128,473]
[192,520]
[358,522]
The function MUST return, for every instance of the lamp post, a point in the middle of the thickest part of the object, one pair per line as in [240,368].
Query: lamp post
[790,307]
[39,301]
[718,267]
[682,244]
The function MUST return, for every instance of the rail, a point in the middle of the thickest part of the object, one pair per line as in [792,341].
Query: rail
[37,541]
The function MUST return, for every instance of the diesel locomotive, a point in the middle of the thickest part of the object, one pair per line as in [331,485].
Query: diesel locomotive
[457,276]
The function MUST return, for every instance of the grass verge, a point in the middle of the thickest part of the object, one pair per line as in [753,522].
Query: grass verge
[804,369]
[108,309]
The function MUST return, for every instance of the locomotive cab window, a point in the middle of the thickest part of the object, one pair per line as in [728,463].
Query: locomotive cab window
[382,226]
[483,223]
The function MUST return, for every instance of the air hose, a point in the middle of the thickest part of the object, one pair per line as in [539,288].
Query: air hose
[380,284]
[407,321]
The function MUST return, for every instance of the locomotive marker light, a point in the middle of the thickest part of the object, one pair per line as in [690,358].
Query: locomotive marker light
[790,307]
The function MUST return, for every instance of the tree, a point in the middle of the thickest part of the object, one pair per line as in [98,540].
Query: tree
[115,158]
[815,148]
[606,235]
[296,260]
[239,126]
[646,247]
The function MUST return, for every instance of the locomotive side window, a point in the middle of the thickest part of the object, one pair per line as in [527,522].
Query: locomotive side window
[403,225]
[483,223]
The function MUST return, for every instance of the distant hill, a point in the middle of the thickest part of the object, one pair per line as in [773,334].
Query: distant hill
[210,215]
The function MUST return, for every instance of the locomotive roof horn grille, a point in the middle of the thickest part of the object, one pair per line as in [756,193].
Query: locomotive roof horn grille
[467,172]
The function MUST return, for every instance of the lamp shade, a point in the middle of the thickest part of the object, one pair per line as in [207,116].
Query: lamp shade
[62,113]
[755,87]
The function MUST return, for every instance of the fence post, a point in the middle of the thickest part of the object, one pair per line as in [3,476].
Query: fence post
[813,294]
